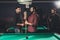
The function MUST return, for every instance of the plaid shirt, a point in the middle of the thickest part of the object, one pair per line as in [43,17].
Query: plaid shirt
[33,18]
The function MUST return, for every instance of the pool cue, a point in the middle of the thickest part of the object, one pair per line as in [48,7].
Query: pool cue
[25,17]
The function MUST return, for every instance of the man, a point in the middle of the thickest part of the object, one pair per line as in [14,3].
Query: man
[53,20]
[32,20]
[19,20]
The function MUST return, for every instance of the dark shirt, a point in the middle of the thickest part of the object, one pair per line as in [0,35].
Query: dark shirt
[54,23]
[54,18]
[19,18]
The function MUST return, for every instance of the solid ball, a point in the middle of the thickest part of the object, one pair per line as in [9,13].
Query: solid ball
[26,37]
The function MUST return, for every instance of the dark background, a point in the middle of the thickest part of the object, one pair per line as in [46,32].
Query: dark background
[7,12]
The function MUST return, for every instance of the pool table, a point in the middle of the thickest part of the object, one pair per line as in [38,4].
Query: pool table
[39,29]
[29,36]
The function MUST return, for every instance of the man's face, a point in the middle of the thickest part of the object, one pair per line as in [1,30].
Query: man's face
[18,10]
[31,9]
[52,11]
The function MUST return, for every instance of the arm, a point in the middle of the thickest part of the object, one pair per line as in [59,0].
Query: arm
[34,21]
[20,24]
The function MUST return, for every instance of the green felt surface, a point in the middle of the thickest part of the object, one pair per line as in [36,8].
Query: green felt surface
[31,36]
[38,27]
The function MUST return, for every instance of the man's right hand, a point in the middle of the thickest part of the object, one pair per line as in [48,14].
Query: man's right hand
[20,24]
[26,22]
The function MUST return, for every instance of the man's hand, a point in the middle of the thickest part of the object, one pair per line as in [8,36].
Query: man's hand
[26,22]
[7,30]
[20,24]
[30,24]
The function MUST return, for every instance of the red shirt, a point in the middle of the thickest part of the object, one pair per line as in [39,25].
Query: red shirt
[33,18]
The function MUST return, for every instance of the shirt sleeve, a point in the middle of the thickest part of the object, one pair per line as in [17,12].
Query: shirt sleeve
[35,20]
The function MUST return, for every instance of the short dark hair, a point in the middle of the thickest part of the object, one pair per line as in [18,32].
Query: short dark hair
[53,9]
[18,7]
[33,7]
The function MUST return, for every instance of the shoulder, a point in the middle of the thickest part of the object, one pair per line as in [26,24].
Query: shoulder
[37,15]
[57,15]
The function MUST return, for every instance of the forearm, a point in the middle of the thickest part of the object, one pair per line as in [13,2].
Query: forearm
[30,23]
[20,24]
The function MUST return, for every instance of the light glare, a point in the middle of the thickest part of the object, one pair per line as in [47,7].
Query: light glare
[57,4]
